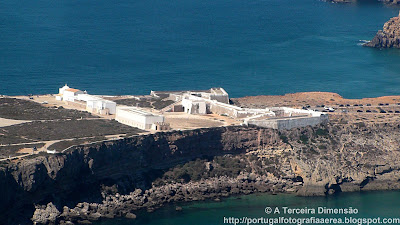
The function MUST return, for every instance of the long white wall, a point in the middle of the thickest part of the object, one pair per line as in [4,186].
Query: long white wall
[289,123]
[134,117]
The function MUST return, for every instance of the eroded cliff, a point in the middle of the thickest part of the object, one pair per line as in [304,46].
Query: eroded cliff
[116,178]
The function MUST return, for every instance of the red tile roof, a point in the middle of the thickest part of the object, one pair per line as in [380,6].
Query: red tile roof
[72,90]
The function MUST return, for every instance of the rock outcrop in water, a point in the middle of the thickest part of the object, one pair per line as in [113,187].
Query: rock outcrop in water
[389,37]
[118,177]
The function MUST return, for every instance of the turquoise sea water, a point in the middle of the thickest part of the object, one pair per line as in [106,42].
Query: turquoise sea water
[249,47]
[370,205]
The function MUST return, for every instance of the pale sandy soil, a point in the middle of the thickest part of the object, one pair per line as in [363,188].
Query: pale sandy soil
[186,121]
[343,114]
[310,98]
[25,151]
[9,122]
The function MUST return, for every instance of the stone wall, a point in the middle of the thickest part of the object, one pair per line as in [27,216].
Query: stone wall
[289,123]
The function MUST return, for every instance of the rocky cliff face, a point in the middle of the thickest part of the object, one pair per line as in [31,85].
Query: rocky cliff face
[129,163]
[389,37]
[310,161]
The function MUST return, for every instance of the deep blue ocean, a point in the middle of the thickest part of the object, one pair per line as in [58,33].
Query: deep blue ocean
[249,47]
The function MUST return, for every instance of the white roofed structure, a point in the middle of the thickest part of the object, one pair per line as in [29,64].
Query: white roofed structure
[133,116]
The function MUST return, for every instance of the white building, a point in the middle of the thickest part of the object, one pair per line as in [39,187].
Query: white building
[71,94]
[218,94]
[98,105]
[60,94]
[101,106]
[194,105]
[93,103]
[61,90]
[135,117]
[68,94]
[290,118]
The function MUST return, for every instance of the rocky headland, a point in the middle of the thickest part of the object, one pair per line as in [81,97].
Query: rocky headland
[388,37]
[116,178]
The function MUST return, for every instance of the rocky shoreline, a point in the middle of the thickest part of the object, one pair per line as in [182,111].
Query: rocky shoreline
[388,37]
[116,178]
[215,188]
[126,205]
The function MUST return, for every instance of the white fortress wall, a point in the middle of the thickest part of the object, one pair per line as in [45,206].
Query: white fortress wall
[287,124]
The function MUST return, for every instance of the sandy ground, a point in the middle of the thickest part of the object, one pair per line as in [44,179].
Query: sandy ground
[310,98]
[8,122]
[366,110]
[181,120]
[25,151]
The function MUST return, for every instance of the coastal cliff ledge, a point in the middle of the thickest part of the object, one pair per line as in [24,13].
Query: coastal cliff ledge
[116,178]
[388,37]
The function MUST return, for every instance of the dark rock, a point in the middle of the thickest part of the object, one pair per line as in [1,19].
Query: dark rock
[46,214]
[312,190]
[349,187]
[84,222]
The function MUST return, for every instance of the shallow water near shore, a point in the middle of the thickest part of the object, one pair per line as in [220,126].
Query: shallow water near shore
[369,205]
[248,47]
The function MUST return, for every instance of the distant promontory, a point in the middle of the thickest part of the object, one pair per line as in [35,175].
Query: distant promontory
[389,37]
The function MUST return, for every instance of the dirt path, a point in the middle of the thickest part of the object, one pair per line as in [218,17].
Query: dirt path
[9,122]
[47,144]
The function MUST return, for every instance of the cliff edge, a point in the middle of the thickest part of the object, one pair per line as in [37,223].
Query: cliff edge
[389,37]
[117,178]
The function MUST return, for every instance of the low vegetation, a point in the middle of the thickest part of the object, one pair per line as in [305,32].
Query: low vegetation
[11,150]
[227,165]
[63,129]
[59,146]
[18,109]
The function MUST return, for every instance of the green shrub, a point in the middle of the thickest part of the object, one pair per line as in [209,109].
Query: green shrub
[304,139]
[284,139]
[322,132]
